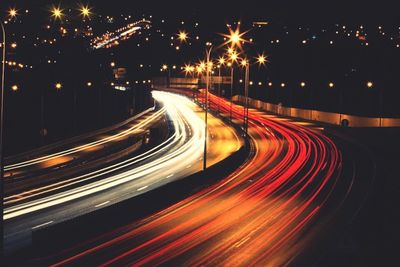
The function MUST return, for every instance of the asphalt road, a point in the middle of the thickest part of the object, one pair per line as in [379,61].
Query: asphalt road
[269,211]
[46,165]
[178,156]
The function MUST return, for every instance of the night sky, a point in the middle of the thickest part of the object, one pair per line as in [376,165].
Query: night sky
[284,11]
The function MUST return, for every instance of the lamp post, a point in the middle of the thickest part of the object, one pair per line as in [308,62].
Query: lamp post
[233,57]
[261,60]
[168,70]
[3,70]
[246,65]
[208,70]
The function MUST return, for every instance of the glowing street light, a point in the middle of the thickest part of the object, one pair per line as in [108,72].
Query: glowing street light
[331,85]
[245,63]
[370,84]
[221,61]
[85,11]
[302,84]
[164,67]
[261,59]
[12,12]
[182,36]
[234,57]
[202,65]
[235,37]
[58,86]
[14,88]
[57,12]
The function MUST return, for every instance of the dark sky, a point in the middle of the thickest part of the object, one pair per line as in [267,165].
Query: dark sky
[308,11]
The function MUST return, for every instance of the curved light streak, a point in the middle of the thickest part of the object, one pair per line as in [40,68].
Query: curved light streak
[87,146]
[258,215]
[182,150]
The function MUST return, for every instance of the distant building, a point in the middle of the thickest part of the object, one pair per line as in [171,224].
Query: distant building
[260,24]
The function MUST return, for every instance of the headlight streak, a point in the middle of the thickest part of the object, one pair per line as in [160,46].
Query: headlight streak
[185,150]
[255,216]
[87,146]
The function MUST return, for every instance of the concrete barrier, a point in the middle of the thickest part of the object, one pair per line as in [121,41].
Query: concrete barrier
[321,116]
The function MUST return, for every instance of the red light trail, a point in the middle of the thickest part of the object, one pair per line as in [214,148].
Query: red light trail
[259,214]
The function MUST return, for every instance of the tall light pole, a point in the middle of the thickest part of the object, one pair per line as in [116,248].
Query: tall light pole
[208,70]
[168,70]
[3,71]
[233,57]
[261,60]
[221,62]
[246,65]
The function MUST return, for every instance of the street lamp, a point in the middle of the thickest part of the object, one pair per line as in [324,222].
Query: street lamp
[208,70]
[85,11]
[182,36]
[221,62]
[165,68]
[233,56]
[245,63]
[12,12]
[57,13]
[261,60]
[234,38]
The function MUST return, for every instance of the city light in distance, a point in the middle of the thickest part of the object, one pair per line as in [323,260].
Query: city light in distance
[12,12]
[262,59]
[331,84]
[58,86]
[57,12]
[85,11]
[14,88]
[182,36]
[370,84]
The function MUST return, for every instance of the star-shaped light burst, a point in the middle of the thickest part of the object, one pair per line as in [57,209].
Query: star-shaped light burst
[262,59]
[182,36]
[12,12]
[221,61]
[188,69]
[235,38]
[85,11]
[57,12]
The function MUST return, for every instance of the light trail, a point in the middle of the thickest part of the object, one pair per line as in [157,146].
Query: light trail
[111,39]
[181,148]
[259,215]
[89,145]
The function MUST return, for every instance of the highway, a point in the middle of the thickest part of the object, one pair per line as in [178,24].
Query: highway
[64,153]
[265,213]
[178,156]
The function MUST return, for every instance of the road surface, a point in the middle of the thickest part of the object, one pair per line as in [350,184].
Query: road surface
[177,157]
[265,212]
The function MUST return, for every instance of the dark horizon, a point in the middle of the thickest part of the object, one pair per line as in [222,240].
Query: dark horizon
[284,11]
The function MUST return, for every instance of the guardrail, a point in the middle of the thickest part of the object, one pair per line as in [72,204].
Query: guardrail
[321,116]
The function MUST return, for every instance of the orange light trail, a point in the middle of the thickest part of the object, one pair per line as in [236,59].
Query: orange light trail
[255,216]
